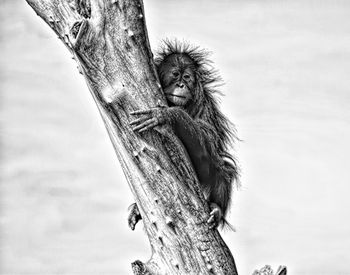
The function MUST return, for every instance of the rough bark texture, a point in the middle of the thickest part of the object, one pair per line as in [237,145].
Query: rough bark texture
[267,270]
[112,50]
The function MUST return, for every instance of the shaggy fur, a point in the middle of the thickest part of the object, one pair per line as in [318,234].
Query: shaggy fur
[217,132]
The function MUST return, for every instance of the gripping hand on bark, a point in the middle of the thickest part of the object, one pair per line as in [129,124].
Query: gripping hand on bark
[215,216]
[134,216]
[148,119]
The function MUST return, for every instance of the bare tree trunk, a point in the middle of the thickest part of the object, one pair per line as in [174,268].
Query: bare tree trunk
[110,44]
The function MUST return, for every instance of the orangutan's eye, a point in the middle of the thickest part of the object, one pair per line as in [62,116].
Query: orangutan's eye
[187,77]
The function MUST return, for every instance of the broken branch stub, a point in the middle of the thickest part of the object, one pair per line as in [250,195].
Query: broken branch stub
[109,41]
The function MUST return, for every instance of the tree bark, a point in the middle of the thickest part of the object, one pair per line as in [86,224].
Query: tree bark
[110,44]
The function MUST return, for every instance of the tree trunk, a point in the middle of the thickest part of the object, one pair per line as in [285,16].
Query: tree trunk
[110,44]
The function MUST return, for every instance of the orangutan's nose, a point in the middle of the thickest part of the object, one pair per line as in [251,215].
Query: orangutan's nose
[180,85]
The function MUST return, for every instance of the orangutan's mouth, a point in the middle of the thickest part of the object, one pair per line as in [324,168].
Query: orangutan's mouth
[179,96]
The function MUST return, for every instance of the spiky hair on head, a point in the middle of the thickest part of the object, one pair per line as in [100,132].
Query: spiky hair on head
[207,75]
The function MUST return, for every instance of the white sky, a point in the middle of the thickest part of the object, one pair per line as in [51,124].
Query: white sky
[286,65]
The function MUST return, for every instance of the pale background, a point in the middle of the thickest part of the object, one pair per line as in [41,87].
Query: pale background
[286,65]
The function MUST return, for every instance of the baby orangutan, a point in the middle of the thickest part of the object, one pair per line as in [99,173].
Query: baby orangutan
[193,113]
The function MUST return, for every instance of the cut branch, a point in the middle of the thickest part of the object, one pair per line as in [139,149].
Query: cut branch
[110,44]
